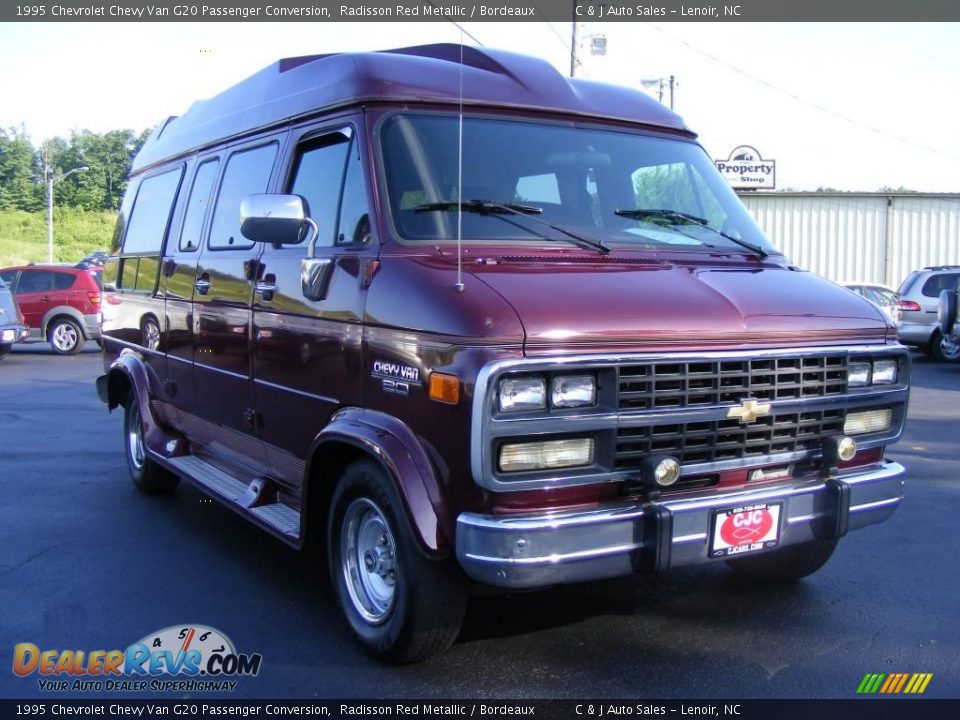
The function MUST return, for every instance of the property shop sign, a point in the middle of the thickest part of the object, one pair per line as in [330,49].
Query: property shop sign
[746,170]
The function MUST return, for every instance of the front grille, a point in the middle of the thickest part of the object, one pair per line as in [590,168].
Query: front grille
[661,385]
[728,439]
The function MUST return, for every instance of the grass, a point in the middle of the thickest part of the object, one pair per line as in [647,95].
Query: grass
[23,235]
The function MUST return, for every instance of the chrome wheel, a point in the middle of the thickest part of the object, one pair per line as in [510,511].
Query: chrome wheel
[135,435]
[151,335]
[950,348]
[65,337]
[368,560]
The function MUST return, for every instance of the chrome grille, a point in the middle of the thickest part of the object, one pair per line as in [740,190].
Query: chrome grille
[661,385]
[712,441]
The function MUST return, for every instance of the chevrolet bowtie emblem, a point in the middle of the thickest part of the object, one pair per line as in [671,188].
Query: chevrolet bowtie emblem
[749,411]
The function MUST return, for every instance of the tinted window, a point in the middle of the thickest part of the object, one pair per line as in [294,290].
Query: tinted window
[354,213]
[247,173]
[317,179]
[936,284]
[8,277]
[147,273]
[35,281]
[197,205]
[147,225]
[63,281]
[128,273]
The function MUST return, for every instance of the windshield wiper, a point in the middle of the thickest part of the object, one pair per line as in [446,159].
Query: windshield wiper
[682,217]
[492,207]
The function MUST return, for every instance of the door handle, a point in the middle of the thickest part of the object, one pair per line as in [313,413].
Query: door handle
[202,285]
[46,298]
[267,287]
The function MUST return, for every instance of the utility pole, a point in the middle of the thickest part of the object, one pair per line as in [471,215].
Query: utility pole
[573,41]
[671,91]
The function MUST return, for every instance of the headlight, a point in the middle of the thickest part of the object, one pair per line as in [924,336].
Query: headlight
[570,391]
[517,457]
[884,372]
[526,393]
[858,374]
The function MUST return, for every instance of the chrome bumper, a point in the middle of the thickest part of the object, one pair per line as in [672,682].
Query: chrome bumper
[533,551]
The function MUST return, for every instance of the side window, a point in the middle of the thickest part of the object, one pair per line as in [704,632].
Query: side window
[8,277]
[197,205]
[317,178]
[63,281]
[938,283]
[247,173]
[35,281]
[354,212]
[150,217]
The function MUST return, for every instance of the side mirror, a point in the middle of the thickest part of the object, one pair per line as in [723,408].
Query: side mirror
[274,219]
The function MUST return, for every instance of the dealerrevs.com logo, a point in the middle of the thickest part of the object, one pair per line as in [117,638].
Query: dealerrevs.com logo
[180,658]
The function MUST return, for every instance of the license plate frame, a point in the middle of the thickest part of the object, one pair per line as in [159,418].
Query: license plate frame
[759,528]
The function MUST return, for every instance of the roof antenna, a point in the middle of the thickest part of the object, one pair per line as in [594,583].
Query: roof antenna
[459,284]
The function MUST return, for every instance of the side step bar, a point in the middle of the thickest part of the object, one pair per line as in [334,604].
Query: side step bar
[276,516]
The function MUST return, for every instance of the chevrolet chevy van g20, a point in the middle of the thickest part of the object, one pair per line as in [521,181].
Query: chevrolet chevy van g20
[548,345]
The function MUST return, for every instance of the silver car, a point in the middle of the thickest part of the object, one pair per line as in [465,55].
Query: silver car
[919,301]
[881,296]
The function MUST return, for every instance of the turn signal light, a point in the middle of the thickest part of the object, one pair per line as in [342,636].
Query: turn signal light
[445,388]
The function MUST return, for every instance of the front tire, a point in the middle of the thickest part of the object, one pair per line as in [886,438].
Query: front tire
[66,337]
[5,349]
[401,606]
[147,475]
[786,565]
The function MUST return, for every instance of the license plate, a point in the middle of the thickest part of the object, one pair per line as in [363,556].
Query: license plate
[745,529]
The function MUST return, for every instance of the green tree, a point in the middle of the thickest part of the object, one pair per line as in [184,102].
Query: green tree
[19,187]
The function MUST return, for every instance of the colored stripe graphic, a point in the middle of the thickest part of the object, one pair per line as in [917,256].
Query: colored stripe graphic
[893,683]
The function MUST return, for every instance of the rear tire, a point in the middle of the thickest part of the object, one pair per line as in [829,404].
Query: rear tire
[66,337]
[785,565]
[5,349]
[942,349]
[401,606]
[147,475]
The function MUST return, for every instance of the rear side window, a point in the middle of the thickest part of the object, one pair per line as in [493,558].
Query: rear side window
[936,284]
[63,281]
[247,173]
[317,179]
[35,281]
[8,277]
[148,221]
[197,205]
[908,283]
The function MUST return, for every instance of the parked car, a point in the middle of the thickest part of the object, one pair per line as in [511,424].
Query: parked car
[919,300]
[61,304]
[13,328]
[880,295]
[582,359]
[948,315]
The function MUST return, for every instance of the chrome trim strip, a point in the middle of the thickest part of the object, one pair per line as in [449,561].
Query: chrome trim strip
[133,346]
[482,414]
[803,518]
[179,359]
[303,393]
[559,557]
[221,371]
[689,538]
[872,505]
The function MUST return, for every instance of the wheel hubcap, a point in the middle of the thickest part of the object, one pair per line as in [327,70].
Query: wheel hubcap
[151,336]
[950,348]
[135,437]
[368,560]
[65,337]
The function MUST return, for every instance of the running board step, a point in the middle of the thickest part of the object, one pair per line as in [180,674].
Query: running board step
[281,518]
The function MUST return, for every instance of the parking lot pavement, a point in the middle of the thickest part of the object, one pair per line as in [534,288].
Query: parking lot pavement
[88,563]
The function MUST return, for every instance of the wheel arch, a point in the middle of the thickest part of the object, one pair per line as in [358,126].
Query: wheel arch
[60,311]
[355,434]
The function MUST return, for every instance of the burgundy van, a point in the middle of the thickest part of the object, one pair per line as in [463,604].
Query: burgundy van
[520,336]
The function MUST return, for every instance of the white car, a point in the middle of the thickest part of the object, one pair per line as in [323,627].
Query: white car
[880,295]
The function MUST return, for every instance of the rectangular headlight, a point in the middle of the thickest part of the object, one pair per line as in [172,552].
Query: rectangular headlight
[524,393]
[858,374]
[9,336]
[868,421]
[517,457]
[884,372]
[570,391]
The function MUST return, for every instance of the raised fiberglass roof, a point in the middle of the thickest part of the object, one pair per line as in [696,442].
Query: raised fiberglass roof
[297,87]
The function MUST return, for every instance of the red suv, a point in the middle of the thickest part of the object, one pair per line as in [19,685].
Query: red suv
[60,304]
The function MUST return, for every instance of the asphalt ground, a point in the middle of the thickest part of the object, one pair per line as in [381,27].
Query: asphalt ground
[86,562]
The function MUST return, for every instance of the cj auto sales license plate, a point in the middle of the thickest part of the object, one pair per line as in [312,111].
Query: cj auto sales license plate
[745,529]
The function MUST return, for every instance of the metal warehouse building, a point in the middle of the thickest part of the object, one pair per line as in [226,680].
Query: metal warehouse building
[863,237]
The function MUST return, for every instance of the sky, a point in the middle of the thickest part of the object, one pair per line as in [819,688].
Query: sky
[850,106]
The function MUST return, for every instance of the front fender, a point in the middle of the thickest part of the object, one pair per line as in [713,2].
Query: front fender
[398,449]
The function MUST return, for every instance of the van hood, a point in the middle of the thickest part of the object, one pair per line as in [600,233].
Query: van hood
[578,301]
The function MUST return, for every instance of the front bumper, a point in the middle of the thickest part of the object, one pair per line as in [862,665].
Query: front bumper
[10,334]
[534,551]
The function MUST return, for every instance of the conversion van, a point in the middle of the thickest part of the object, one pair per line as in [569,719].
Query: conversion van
[458,319]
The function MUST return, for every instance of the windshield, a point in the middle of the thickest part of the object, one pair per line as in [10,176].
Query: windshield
[610,187]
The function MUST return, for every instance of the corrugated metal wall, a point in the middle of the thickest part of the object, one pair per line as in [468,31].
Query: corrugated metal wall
[861,237]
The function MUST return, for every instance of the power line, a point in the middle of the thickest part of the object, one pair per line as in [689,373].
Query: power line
[805,101]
